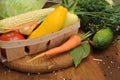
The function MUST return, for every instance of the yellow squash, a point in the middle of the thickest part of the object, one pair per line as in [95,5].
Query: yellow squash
[53,22]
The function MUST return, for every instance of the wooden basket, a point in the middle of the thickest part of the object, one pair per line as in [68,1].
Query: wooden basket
[19,49]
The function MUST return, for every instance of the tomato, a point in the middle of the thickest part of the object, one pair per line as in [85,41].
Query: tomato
[12,36]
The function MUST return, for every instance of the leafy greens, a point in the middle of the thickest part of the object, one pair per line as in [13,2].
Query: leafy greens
[96,14]
[10,8]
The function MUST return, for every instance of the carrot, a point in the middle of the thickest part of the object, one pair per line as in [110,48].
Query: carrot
[21,26]
[72,42]
[28,28]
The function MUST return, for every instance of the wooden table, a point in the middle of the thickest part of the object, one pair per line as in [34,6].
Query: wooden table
[99,65]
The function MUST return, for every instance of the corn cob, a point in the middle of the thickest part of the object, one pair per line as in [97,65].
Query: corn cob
[11,22]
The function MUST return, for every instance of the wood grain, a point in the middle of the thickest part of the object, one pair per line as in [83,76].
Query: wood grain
[85,71]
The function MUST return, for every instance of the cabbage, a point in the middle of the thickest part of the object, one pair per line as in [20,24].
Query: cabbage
[10,8]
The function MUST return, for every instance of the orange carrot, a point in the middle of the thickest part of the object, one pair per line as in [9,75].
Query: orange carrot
[72,42]
[22,26]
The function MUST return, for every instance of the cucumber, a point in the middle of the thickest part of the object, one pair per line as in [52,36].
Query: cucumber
[103,38]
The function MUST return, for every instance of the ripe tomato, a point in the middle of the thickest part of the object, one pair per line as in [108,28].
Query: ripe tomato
[10,36]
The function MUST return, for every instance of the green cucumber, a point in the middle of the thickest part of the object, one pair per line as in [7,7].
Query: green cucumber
[103,38]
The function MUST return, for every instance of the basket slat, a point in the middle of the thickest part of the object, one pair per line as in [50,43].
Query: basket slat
[15,53]
[38,47]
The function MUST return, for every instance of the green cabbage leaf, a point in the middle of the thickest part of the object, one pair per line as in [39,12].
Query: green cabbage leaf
[10,8]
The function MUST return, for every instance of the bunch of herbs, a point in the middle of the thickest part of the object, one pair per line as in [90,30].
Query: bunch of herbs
[96,14]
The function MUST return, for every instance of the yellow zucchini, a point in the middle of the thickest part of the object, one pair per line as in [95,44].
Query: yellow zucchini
[53,22]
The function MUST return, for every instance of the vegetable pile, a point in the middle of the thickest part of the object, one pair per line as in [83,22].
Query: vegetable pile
[37,23]
[100,20]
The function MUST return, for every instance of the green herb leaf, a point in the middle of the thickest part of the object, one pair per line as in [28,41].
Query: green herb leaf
[79,53]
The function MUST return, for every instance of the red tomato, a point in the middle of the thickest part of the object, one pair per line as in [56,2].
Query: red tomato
[10,36]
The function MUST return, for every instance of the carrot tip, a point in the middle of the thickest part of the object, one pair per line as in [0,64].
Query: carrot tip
[34,58]
[30,60]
